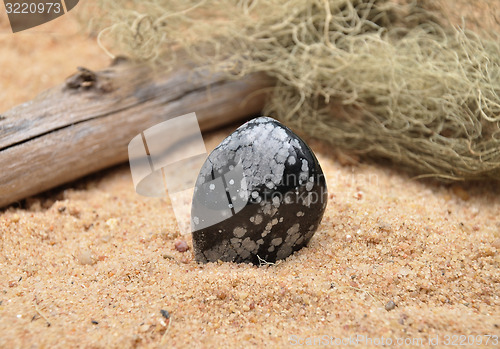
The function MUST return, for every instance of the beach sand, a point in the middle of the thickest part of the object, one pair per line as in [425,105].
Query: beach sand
[92,264]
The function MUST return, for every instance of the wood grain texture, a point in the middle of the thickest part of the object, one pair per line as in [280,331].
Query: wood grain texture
[85,124]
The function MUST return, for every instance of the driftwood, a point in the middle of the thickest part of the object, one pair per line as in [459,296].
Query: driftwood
[85,124]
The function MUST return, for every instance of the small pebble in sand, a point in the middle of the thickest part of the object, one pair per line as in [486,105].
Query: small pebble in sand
[112,223]
[165,314]
[144,327]
[74,211]
[15,218]
[181,246]
[383,226]
[461,193]
[390,306]
[85,257]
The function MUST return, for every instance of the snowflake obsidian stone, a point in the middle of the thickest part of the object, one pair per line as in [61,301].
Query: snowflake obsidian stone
[260,195]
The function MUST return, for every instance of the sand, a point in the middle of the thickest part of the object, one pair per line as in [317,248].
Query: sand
[93,264]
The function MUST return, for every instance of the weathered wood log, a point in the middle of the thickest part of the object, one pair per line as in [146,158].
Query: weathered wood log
[85,124]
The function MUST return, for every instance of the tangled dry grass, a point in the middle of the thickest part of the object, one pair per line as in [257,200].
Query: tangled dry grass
[376,77]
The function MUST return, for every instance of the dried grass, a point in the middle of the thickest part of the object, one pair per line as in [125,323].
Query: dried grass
[375,77]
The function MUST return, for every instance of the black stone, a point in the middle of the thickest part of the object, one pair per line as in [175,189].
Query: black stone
[259,196]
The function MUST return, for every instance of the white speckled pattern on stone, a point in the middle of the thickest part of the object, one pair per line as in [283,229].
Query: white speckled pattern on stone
[279,191]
